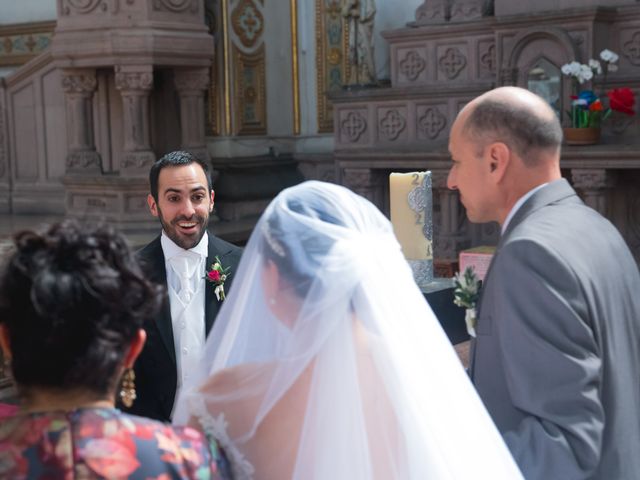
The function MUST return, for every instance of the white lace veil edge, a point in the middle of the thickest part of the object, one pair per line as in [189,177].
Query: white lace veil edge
[344,352]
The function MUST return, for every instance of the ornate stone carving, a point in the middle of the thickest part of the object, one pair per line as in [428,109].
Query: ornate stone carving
[488,58]
[127,80]
[508,76]
[470,9]
[593,184]
[84,161]
[192,80]
[247,22]
[82,7]
[137,160]
[175,6]
[631,49]
[412,65]
[365,182]
[452,63]
[431,123]
[80,83]
[353,126]
[392,125]
[433,11]
[591,178]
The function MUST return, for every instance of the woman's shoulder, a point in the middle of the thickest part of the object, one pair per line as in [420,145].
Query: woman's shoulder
[107,443]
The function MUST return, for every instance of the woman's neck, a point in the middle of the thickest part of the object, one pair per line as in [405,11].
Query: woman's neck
[40,400]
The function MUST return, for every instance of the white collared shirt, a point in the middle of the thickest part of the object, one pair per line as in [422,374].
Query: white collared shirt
[518,204]
[187,310]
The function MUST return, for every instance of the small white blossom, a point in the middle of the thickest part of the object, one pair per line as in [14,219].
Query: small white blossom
[595,66]
[585,74]
[608,56]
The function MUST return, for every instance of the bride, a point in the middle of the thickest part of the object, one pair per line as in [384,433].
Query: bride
[326,362]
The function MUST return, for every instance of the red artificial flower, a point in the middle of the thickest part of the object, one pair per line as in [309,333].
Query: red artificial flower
[622,100]
[596,106]
[214,275]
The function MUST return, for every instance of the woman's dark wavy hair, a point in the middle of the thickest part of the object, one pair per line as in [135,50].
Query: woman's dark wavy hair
[72,299]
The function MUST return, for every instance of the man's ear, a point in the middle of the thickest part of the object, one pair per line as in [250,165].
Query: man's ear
[4,341]
[213,194]
[153,206]
[499,157]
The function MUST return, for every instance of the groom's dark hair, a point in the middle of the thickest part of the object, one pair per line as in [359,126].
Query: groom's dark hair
[178,158]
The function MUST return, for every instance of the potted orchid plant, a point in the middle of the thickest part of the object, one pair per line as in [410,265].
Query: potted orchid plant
[588,109]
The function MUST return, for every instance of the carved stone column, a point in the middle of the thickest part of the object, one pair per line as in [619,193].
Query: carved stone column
[79,86]
[365,182]
[192,85]
[135,84]
[593,185]
[446,228]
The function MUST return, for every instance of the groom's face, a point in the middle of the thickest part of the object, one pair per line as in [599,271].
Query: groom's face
[184,204]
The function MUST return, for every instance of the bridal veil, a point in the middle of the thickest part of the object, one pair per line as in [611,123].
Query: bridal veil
[326,362]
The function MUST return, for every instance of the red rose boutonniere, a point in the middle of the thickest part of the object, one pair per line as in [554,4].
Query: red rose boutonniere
[218,275]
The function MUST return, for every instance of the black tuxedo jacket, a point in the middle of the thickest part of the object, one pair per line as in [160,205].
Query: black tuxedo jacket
[155,368]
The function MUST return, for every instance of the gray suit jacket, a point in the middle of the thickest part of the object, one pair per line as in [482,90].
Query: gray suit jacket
[557,354]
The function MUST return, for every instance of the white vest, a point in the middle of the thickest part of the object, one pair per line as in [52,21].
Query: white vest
[187,310]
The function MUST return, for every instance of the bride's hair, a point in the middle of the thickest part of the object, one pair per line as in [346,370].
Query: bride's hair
[296,249]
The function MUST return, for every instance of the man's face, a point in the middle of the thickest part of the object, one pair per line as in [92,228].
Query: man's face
[470,175]
[183,205]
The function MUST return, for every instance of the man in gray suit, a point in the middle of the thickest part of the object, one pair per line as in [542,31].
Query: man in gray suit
[557,352]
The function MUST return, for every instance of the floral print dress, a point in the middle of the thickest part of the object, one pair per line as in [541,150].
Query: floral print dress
[94,443]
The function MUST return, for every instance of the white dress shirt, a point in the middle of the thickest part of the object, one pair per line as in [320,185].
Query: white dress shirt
[186,287]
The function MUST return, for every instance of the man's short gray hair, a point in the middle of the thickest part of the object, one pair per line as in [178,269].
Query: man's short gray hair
[524,130]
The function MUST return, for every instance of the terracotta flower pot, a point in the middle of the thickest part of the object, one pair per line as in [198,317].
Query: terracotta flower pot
[581,136]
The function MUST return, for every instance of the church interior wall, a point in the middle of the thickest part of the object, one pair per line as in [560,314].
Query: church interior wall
[12,11]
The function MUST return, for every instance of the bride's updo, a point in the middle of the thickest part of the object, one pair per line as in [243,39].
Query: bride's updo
[292,237]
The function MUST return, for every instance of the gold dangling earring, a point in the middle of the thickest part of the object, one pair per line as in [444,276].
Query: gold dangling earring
[128,388]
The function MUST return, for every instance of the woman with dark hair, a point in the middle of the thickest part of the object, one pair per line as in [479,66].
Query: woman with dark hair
[72,304]
[326,362]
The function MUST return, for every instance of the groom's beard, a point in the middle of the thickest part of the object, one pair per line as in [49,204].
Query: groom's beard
[185,240]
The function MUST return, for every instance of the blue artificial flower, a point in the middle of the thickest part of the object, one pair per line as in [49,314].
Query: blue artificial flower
[588,96]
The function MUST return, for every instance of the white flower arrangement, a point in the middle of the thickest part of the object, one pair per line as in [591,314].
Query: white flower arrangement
[466,294]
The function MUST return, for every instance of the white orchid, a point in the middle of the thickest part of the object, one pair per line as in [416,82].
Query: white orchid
[608,56]
[585,74]
[595,66]
[571,69]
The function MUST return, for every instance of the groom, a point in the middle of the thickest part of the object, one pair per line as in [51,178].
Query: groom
[557,352]
[179,258]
